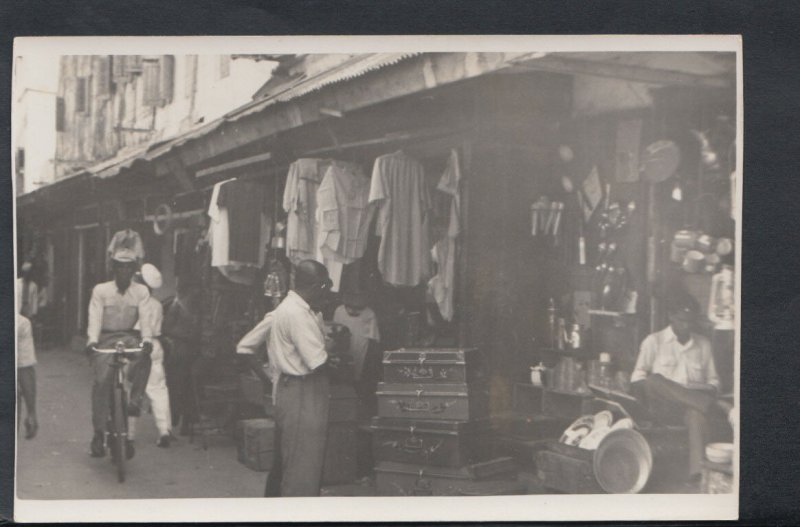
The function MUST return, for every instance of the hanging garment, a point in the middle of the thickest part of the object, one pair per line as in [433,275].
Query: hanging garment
[244,201]
[398,189]
[443,253]
[126,239]
[343,215]
[363,327]
[300,203]
[221,233]
[218,229]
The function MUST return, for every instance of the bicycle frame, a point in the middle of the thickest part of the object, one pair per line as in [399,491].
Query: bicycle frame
[117,427]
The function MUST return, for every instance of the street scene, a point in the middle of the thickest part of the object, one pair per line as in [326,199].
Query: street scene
[377,274]
[56,465]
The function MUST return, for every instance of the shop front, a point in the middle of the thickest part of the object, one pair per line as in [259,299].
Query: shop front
[517,242]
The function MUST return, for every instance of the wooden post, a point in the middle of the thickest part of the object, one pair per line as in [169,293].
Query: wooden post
[462,272]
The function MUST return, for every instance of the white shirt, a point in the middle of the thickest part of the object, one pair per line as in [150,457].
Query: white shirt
[363,328]
[399,190]
[27,301]
[297,339]
[110,310]
[687,363]
[26,353]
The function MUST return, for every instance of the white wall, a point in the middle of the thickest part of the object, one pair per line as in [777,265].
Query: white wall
[214,97]
[33,118]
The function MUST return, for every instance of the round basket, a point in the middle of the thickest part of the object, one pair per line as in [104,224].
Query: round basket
[623,462]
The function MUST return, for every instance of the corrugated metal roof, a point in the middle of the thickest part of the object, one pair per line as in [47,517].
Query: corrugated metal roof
[350,69]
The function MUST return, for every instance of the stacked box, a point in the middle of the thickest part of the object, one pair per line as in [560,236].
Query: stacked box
[257,443]
[432,434]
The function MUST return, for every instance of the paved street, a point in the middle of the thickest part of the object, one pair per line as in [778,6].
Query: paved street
[56,464]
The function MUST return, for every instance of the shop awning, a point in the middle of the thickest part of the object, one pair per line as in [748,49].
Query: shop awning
[296,100]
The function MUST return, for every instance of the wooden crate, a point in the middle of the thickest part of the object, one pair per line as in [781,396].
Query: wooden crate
[258,443]
[563,472]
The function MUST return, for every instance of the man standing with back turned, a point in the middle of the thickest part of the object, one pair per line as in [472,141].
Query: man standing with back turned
[298,350]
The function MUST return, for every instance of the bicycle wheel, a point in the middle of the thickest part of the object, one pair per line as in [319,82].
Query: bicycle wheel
[118,435]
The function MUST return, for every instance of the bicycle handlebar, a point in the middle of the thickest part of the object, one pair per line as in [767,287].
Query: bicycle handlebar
[119,348]
[112,351]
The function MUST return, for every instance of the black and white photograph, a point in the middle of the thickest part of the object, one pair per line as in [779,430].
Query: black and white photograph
[494,277]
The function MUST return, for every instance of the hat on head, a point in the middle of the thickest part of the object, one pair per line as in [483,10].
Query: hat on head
[123,255]
[357,299]
[27,266]
[151,276]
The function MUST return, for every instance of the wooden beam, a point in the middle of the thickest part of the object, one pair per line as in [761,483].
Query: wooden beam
[233,165]
[627,72]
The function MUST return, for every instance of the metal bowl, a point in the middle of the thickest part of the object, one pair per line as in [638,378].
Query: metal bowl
[623,462]
[719,452]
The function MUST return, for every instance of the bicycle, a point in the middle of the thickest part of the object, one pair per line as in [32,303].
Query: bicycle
[117,427]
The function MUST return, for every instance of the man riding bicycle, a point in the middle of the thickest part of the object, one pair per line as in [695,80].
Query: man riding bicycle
[114,309]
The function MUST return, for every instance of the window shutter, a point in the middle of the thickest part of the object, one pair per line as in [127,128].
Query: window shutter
[167,84]
[189,75]
[82,95]
[60,110]
[119,70]
[102,76]
[224,66]
[133,64]
[150,74]
[20,161]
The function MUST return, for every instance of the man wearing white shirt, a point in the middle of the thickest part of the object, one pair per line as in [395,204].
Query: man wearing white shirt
[676,379]
[298,350]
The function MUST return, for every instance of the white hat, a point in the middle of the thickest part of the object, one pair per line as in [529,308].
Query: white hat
[27,266]
[124,255]
[151,276]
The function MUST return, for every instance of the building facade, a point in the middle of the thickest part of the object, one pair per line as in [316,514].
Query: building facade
[110,105]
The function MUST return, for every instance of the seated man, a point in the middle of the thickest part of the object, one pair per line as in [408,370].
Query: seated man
[676,379]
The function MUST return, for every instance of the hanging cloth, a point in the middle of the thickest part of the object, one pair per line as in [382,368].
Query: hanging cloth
[126,239]
[343,215]
[244,202]
[219,238]
[300,204]
[441,286]
[398,190]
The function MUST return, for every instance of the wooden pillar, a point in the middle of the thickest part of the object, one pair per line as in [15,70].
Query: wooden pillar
[463,287]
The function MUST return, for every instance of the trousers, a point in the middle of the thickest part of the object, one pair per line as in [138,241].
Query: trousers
[157,391]
[301,417]
[137,372]
[180,383]
[672,403]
